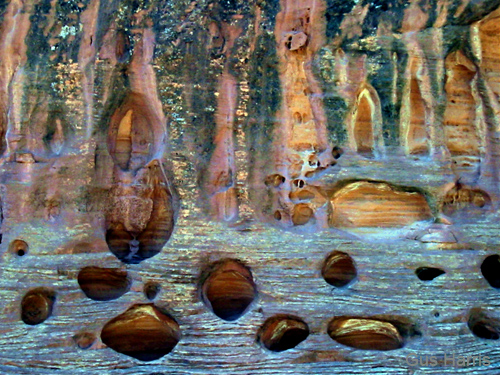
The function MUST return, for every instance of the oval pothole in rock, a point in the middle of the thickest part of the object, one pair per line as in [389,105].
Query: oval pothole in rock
[366,334]
[36,306]
[281,333]
[229,289]
[103,284]
[142,332]
[339,269]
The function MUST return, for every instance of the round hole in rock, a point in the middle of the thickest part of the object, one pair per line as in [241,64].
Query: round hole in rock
[490,268]
[103,284]
[366,334]
[229,289]
[339,269]
[483,326]
[337,152]
[151,290]
[19,247]
[428,273]
[36,306]
[142,332]
[281,333]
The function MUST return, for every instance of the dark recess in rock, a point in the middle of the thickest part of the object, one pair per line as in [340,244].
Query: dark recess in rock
[428,273]
[281,333]
[483,326]
[151,290]
[491,270]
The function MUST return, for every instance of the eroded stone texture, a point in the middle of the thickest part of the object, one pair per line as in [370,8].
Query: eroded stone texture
[184,132]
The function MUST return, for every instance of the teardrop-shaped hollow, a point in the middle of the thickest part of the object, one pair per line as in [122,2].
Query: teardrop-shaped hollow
[417,138]
[281,333]
[36,306]
[363,126]
[19,248]
[366,334]
[483,326]
[142,332]
[132,132]
[490,268]
[103,284]
[339,269]
[428,273]
[229,289]
[460,113]
[133,235]
[151,290]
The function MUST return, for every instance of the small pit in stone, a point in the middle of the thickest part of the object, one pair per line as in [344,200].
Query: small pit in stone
[428,273]
[19,247]
[229,289]
[84,340]
[281,333]
[151,290]
[490,268]
[337,152]
[339,269]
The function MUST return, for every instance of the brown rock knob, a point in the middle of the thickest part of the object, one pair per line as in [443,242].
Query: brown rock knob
[36,306]
[281,333]
[142,332]
[229,290]
[103,284]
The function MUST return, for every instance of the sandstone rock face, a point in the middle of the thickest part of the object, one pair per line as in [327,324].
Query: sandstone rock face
[314,178]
